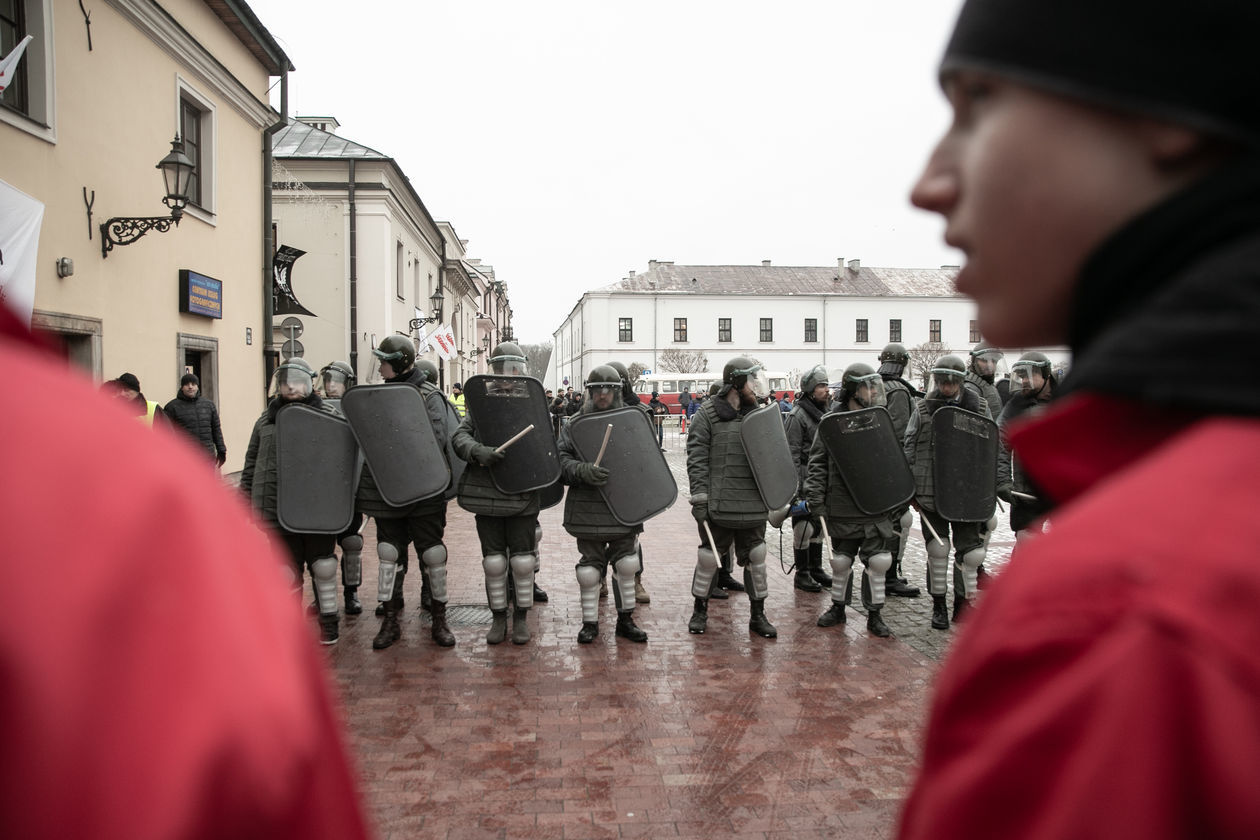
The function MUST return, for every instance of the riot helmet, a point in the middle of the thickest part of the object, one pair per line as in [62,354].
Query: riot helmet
[338,378]
[603,386]
[429,370]
[812,378]
[627,389]
[508,359]
[893,360]
[741,371]
[948,373]
[984,360]
[399,351]
[862,384]
[294,380]
[1031,373]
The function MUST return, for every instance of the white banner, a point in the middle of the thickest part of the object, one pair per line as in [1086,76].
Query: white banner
[20,219]
[444,342]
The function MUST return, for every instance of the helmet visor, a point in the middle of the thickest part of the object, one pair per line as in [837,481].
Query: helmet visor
[334,383]
[867,391]
[1027,377]
[946,376]
[293,383]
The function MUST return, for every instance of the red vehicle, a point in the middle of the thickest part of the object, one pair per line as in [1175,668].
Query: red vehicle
[669,386]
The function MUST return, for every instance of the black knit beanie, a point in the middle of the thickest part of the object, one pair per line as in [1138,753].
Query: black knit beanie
[1190,62]
[189,377]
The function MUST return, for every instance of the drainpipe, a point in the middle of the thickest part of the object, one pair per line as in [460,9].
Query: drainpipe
[269,247]
[354,271]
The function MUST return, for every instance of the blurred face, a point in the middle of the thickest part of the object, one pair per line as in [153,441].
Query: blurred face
[948,385]
[603,397]
[1029,184]
[986,363]
[821,393]
[1028,379]
[387,370]
[293,384]
[189,389]
[334,384]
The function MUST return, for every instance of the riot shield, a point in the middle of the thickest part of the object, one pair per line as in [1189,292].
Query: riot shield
[394,431]
[964,464]
[502,406]
[551,495]
[317,471]
[640,484]
[766,446]
[869,458]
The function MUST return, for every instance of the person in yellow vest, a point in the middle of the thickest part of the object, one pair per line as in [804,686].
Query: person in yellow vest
[457,398]
[127,389]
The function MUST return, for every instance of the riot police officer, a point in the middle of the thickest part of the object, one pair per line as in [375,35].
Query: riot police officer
[421,523]
[800,426]
[1033,384]
[724,493]
[948,376]
[981,371]
[294,384]
[601,539]
[506,522]
[901,399]
[629,397]
[853,533]
[337,378]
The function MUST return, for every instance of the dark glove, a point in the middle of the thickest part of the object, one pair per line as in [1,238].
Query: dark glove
[486,455]
[592,474]
[222,459]
[1004,493]
[700,511]
[799,509]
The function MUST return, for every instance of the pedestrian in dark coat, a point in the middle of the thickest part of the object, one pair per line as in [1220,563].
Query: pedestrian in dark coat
[197,417]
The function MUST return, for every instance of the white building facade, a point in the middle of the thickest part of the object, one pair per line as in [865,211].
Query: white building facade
[789,318]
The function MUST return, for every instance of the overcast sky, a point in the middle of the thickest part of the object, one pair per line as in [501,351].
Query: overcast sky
[571,142]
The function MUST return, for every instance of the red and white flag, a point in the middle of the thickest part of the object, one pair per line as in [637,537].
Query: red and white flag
[444,341]
[8,64]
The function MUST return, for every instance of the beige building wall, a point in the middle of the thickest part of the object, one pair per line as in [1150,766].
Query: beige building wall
[114,112]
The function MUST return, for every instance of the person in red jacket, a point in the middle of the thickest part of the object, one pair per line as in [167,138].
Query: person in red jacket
[176,690]
[1102,177]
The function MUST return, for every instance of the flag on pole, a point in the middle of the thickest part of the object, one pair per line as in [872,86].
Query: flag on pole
[8,64]
[19,243]
[444,340]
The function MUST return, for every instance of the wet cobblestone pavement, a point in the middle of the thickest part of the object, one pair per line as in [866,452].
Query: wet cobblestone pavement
[813,734]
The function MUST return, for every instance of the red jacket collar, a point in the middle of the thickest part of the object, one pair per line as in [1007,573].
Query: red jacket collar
[1086,437]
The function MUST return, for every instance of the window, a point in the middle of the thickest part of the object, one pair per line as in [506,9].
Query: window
[934,331]
[625,329]
[680,329]
[398,271]
[863,330]
[767,329]
[724,329]
[894,329]
[197,130]
[975,331]
[811,329]
[27,101]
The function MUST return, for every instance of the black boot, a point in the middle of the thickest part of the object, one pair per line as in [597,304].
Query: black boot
[833,616]
[390,632]
[803,580]
[590,629]
[699,616]
[626,628]
[816,570]
[895,584]
[498,628]
[875,624]
[961,607]
[353,607]
[757,621]
[940,613]
[520,630]
[328,632]
[716,590]
[540,597]
[380,607]
[729,583]
[441,633]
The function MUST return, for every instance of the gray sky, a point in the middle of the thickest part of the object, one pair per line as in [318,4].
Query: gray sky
[570,142]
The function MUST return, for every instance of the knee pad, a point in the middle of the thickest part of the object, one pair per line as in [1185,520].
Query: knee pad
[877,566]
[757,572]
[906,522]
[433,560]
[523,579]
[624,569]
[496,569]
[706,568]
[324,582]
[352,560]
[589,579]
[967,570]
[937,566]
[802,533]
[777,516]
[842,571]
[387,570]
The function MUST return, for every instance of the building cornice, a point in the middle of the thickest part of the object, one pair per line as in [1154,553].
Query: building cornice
[175,41]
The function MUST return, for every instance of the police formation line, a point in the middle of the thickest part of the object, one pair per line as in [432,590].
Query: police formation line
[846,468]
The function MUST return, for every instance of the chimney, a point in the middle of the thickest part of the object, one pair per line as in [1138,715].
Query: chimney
[765,263]
[854,265]
[651,264]
[632,274]
[840,262]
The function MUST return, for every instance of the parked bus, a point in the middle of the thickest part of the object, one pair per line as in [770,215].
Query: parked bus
[670,385]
